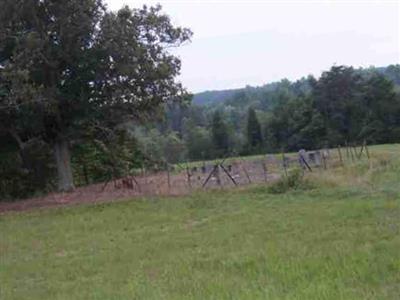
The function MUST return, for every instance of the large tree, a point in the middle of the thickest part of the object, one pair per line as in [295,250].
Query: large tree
[254,136]
[220,134]
[66,66]
[381,123]
[338,97]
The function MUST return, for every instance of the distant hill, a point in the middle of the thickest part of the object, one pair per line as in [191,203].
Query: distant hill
[213,97]
[231,96]
[392,72]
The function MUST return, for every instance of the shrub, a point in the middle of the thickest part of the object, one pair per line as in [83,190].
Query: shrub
[294,181]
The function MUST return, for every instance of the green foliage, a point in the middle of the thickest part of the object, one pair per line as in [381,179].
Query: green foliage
[293,181]
[114,156]
[198,141]
[254,136]
[381,121]
[159,148]
[174,149]
[74,65]
[27,171]
[220,135]
[212,97]
[344,104]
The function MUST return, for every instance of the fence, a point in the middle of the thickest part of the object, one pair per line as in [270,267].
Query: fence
[228,172]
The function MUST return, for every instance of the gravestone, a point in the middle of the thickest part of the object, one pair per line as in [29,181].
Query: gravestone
[325,153]
[303,158]
[315,158]
[271,159]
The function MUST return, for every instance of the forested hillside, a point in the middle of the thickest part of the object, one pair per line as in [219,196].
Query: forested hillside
[212,97]
[343,105]
[391,72]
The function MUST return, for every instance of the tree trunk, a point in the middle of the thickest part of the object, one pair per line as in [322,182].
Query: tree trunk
[63,161]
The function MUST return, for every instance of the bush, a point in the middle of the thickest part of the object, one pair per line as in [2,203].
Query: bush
[294,181]
[26,173]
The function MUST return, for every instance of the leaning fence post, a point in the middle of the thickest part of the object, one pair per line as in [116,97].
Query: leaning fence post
[227,173]
[305,163]
[361,151]
[366,149]
[208,177]
[212,172]
[245,171]
[264,164]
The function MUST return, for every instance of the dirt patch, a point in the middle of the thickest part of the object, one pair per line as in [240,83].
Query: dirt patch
[155,184]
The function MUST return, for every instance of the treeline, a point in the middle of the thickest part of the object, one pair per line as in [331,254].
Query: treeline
[343,105]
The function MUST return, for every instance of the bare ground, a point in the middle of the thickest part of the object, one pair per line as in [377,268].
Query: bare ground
[155,184]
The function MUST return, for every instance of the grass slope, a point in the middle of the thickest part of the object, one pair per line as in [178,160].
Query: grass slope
[340,240]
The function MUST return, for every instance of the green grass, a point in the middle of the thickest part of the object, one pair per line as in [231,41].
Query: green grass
[340,240]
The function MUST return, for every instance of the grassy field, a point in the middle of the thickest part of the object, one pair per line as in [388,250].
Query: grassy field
[339,239]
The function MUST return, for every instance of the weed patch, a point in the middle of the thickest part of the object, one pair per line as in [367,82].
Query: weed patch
[294,181]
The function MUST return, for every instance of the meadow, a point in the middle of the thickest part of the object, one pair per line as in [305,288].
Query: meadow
[336,237]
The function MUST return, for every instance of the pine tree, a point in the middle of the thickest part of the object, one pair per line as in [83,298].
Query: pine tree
[220,135]
[254,136]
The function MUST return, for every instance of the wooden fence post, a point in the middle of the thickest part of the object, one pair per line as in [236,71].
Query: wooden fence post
[217,175]
[340,155]
[361,151]
[264,164]
[168,177]
[355,151]
[137,184]
[212,172]
[305,163]
[227,173]
[366,149]
[208,177]
[188,176]
[284,163]
[245,171]
[351,153]
[324,159]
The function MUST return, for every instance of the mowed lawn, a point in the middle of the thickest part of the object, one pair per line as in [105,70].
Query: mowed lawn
[338,240]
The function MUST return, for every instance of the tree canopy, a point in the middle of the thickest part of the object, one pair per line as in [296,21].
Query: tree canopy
[68,68]
[254,135]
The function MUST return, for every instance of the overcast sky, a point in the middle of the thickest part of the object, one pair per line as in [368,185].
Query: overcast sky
[238,43]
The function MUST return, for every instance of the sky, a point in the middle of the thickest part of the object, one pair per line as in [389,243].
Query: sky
[238,43]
